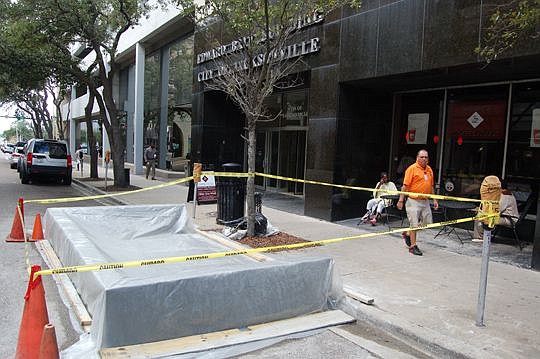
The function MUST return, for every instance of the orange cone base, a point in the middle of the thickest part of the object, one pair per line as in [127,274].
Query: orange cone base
[49,347]
[17,240]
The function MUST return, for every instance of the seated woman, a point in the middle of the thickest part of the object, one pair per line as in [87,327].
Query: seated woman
[376,205]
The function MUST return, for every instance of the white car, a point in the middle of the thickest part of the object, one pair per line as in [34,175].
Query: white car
[9,148]
[18,153]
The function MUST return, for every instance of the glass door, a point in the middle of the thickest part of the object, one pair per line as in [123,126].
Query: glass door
[292,152]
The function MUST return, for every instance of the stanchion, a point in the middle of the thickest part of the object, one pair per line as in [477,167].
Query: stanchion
[197,169]
[481,305]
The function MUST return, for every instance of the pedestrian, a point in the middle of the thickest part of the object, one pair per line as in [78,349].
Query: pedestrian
[418,179]
[150,155]
[79,155]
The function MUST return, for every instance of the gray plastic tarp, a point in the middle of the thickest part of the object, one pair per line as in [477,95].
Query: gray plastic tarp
[158,302]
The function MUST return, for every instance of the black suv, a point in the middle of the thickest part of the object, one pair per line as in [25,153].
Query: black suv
[46,158]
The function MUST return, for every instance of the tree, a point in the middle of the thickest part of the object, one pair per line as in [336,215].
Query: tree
[508,25]
[57,26]
[250,55]
[19,130]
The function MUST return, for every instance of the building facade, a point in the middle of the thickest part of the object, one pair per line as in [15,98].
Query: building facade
[386,80]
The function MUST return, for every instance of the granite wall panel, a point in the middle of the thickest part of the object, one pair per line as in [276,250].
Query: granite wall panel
[450,33]
[358,57]
[400,37]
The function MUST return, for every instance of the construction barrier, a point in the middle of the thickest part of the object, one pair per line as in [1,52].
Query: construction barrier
[206,256]
[141,263]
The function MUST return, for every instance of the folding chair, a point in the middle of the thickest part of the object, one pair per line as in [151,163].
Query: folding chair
[516,223]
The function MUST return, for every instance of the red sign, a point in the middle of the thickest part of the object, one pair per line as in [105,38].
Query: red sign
[480,120]
[206,190]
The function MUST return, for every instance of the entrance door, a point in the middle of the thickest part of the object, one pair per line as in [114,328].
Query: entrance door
[292,154]
[281,153]
[267,157]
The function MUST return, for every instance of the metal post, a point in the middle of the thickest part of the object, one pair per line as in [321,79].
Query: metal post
[194,199]
[483,279]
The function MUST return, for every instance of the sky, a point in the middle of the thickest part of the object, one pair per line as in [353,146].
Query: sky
[5,123]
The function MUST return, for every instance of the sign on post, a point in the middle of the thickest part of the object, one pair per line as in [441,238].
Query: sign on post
[206,191]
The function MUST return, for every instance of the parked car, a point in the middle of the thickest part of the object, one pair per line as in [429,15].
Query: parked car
[15,156]
[9,148]
[46,158]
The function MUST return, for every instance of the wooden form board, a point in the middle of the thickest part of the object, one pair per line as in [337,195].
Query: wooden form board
[353,293]
[85,320]
[233,245]
[202,342]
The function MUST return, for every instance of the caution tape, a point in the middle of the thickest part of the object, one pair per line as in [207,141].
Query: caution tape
[367,189]
[252,174]
[206,256]
[99,196]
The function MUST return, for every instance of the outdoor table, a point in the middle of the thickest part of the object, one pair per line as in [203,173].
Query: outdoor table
[459,205]
[394,198]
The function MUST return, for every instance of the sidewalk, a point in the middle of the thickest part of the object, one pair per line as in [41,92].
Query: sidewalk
[429,300]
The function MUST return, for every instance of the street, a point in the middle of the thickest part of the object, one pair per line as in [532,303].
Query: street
[14,277]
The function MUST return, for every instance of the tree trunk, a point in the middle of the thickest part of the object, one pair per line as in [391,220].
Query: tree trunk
[250,191]
[91,139]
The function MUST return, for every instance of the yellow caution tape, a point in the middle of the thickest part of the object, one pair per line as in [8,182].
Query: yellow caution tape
[251,174]
[77,199]
[434,196]
[205,256]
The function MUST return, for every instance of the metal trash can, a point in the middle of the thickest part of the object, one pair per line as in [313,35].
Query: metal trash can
[231,195]
[258,202]
[126,177]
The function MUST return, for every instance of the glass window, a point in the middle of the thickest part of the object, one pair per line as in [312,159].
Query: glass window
[152,99]
[295,109]
[181,72]
[180,89]
[474,142]
[523,156]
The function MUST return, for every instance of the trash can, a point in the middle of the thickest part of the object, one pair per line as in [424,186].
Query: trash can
[258,202]
[126,177]
[231,195]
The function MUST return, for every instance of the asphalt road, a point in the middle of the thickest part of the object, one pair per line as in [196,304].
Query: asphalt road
[13,274]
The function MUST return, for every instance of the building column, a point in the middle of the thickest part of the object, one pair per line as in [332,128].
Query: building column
[164,111]
[138,116]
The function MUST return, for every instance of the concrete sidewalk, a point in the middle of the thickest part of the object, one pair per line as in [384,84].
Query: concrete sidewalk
[429,301]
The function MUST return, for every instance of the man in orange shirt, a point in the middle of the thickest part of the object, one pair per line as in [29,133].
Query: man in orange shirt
[418,179]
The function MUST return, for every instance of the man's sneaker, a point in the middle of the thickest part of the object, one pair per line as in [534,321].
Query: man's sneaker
[415,250]
[373,221]
[407,239]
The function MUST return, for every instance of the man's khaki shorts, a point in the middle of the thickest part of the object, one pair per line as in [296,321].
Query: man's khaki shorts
[418,212]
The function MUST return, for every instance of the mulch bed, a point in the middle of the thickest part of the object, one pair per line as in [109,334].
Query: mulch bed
[112,188]
[278,239]
[90,179]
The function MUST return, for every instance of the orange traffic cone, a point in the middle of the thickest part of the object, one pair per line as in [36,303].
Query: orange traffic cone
[34,318]
[17,230]
[37,233]
[49,347]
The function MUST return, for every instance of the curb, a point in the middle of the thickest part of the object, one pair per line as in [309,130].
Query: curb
[428,341]
[95,190]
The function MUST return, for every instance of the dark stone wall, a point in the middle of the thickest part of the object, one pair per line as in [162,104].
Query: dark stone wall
[366,55]
[388,37]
